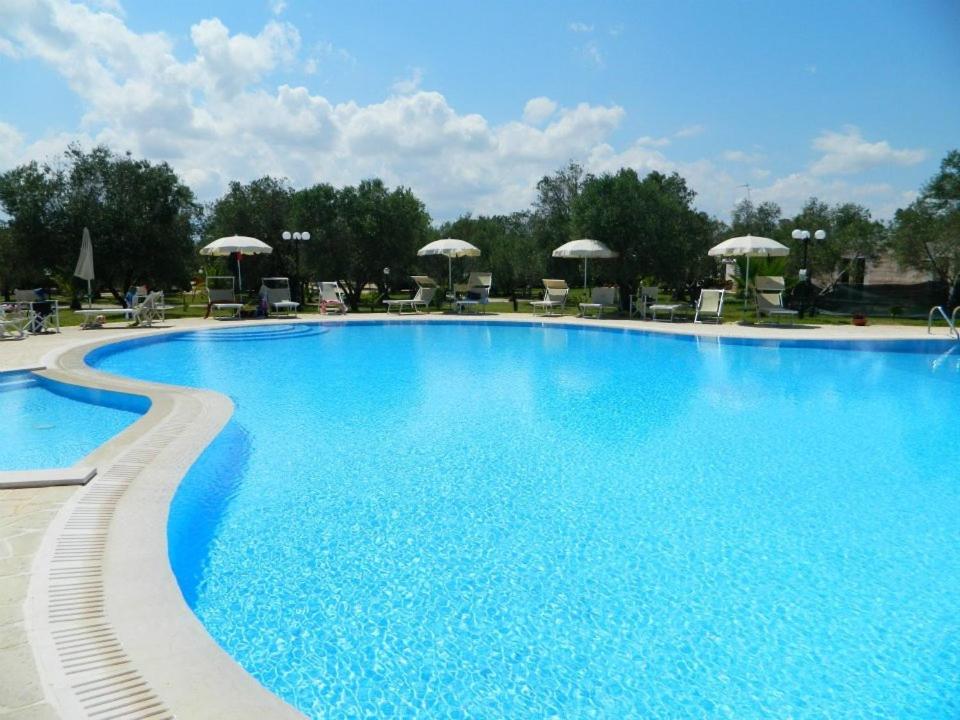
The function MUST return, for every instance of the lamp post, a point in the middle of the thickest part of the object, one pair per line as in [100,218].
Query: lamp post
[297,237]
[804,236]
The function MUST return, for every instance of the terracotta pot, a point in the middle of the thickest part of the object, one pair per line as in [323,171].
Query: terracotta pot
[859,320]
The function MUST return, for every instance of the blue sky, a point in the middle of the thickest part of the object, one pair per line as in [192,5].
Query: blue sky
[470,103]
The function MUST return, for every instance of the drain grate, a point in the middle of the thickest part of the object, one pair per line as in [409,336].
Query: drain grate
[100,675]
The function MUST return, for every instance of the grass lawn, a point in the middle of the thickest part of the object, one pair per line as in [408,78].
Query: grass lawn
[732,312]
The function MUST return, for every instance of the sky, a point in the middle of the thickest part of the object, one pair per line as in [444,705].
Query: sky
[470,104]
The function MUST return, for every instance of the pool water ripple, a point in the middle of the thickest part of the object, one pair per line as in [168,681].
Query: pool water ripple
[452,520]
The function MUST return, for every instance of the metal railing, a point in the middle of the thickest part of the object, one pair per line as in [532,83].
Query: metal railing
[951,320]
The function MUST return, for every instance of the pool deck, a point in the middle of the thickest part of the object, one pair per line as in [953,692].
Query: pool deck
[92,623]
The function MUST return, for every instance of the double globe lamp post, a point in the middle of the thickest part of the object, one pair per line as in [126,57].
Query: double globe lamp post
[804,236]
[297,237]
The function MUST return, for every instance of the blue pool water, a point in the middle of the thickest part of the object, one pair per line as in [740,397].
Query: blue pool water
[50,424]
[410,520]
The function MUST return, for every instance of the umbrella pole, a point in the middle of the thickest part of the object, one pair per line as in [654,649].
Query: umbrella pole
[450,276]
[585,273]
[89,296]
[746,291]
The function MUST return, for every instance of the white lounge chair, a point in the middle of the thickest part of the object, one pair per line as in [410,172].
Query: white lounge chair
[600,298]
[641,302]
[769,292]
[14,321]
[44,313]
[554,297]
[709,304]
[332,298]
[221,296]
[150,310]
[476,292]
[277,290]
[426,289]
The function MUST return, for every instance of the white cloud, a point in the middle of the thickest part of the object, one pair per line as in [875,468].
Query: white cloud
[405,86]
[579,27]
[110,6]
[214,117]
[690,131]
[11,145]
[847,153]
[740,156]
[538,109]
[648,141]
[277,6]
[592,53]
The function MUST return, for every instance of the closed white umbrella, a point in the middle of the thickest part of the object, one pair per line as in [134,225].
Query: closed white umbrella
[237,244]
[584,249]
[749,246]
[84,269]
[451,247]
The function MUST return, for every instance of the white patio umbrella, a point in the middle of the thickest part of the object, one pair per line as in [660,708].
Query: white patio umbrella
[237,244]
[584,249]
[84,269]
[749,246]
[451,247]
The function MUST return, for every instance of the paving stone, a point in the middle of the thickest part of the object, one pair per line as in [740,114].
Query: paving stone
[21,684]
[42,711]
[12,635]
[14,566]
[14,589]
[11,613]
[25,544]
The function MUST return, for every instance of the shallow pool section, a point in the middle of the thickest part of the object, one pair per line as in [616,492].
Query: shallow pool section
[452,520]
[49,424]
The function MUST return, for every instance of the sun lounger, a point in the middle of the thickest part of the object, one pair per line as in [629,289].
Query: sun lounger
[14,321]
[600,298]
[95,317]
[332,298]
[426,289]
[554,297]
[150,310]
[769,292]
[709,304]
[666,308]
[477,292]
[221,296]
[644,298]
[277,291]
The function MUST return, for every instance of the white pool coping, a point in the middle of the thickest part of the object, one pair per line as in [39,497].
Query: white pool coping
[110,631]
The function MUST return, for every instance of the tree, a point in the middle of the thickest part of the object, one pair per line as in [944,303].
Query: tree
[851,233]
[762,220]
[651,223]
[508,248]
[260,209]
[926,234]
[140,216]
[315,209]
[552,219]
[378,228]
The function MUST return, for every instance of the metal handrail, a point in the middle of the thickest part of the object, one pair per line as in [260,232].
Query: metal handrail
[951,320]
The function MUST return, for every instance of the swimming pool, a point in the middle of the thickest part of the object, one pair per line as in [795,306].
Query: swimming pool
[52,424]
[521,521]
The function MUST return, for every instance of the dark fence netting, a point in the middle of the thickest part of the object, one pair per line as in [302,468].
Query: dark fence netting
[878,300]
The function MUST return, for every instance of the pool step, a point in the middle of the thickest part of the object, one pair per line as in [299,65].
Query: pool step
[16,380]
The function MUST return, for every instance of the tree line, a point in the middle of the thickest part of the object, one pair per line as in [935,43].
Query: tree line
[147,227]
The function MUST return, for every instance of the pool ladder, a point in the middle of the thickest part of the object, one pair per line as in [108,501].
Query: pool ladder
[950,320]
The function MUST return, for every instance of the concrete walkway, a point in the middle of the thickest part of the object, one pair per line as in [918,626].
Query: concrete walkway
[91,621]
